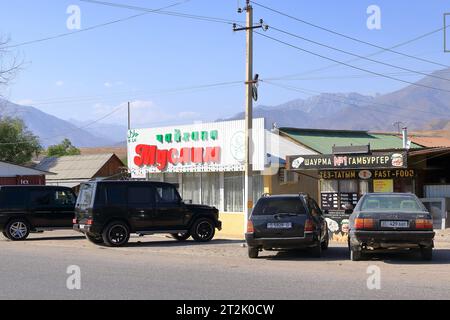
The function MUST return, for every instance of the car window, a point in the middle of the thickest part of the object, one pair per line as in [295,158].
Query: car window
[116,194]
[140,195]
[314,208]
[85,196]
[41,198]
[167,194]
[271,206]
[13,197]
[64,198]
[391,202]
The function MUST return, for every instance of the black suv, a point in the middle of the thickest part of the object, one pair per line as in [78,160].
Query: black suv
[108,211]
[286,222]
[25,209]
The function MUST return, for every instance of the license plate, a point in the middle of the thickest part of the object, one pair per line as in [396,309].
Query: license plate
[281,225]
[394,224]
[82,226]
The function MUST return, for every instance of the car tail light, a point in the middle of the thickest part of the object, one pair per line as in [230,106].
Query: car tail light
[309,226]
[361,223]
[89,222]
[250,227]
[74,221]
[424,224]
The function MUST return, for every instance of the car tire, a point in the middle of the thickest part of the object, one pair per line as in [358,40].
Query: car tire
[253,252]
[426,253]
[94,239]
[116,234]
[203,230]
[181,236]
[355,255]
[317,251]
[326,242]
[5,234]
[17,230]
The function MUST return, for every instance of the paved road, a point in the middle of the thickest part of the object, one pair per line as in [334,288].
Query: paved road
[160,268]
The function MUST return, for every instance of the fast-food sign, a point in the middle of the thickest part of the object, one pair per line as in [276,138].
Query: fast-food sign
[375,160]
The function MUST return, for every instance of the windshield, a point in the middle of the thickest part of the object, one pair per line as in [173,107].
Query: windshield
[271,206]
[84,200]
[407,203]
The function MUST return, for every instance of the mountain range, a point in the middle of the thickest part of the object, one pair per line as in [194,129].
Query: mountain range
[52,130]
[417,106]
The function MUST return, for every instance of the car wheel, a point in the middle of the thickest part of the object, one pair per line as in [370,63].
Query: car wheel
[94,239]
[426,253]
[355,255]
[253,252]
[317,251]
[5,234]
[17,230]
[203,230]
[326,242]
[116,234]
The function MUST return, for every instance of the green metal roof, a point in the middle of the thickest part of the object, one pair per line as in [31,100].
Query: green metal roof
[323,141]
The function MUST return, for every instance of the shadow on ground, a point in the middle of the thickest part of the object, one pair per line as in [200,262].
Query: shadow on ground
[170,242]
[440,256]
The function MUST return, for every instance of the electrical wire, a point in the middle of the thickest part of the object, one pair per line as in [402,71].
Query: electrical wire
[62,35]
[353,38]
[349,65]
[368,103]
[356,55]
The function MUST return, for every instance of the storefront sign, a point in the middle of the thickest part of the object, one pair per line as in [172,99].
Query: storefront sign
[376,160]
[367,174]
[383,186]
[203,147]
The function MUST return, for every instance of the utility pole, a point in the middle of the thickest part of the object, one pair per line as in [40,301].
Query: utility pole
[129,115]
[250,87]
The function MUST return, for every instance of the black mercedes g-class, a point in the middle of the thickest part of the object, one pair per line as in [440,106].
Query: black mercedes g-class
[286,222]
[25,209]
[107,212]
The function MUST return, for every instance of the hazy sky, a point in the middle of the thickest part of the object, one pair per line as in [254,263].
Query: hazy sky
[147,59]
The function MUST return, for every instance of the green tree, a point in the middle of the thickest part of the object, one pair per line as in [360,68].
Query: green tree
[17,144]
[65,148]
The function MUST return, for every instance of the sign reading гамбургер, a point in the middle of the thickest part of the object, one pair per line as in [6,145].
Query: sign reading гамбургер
[376,160]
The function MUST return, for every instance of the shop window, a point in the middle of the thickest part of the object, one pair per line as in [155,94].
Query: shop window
[258,187]
[329,185]
[287,176]
[191,187]
[211,189]
[154,176]
[233,188]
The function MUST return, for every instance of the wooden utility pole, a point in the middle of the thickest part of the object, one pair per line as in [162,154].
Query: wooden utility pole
[250,82]
[129,116]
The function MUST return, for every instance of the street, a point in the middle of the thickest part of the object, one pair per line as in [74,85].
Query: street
[157,267]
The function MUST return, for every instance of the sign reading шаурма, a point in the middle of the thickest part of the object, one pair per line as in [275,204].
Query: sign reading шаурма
[376,160]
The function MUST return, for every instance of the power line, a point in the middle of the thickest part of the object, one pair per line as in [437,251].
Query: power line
[349,65]
[371,102]
[204,86]
[356,55]
[78,99]
[350,37]
[169,13]
[62,35]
